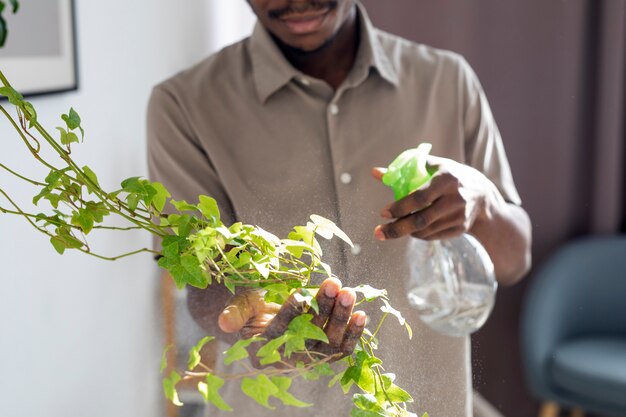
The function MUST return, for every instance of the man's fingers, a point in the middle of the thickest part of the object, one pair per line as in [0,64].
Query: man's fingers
[237,313]
[353,333]
[336,325]
[326,300]
[241,309]
[423,197]
[378,173]
[419,221]
[290,310]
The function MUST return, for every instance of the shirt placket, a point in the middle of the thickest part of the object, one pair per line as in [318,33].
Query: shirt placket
[343,175]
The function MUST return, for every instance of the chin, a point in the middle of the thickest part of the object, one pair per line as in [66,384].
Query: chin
[308,46]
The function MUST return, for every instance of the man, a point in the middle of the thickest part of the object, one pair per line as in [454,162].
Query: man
[287,123]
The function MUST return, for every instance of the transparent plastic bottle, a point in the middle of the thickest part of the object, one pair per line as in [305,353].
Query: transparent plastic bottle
[451,283]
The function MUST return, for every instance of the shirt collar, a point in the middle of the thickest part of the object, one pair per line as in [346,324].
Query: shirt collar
[271,70]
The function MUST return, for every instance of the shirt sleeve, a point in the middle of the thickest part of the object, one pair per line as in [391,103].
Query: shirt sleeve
[175,157]
[484,149]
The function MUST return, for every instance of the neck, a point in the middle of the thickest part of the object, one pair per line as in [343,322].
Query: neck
[333,61]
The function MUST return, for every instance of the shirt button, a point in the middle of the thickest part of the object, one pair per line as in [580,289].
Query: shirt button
[345,178]
[334,109]
[356,249]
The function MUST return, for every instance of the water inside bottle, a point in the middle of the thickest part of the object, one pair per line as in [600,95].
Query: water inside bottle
[451,283]
[453,314]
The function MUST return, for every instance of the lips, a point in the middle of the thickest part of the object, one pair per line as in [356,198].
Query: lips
[305,23]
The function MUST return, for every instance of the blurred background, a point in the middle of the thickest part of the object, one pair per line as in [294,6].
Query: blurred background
[555,76]
[81,336]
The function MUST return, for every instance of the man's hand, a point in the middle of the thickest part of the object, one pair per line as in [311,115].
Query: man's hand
[250,315]
[450,204]
[460,199]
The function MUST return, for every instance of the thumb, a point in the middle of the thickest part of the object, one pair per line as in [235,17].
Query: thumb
[239,311]
[378,173]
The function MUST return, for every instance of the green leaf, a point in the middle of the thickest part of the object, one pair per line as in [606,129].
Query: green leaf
[262,268]
[92,177]
[164,358]
[361,372]
[307,236]
[230,285]
[299,330]
[308,298]
[54,199]
[173,246]
[83,219]
[370,293]
[336,378]
[138,190]
[133,201]
[327,229]
[269,352]
[388,309]
[276,293]
[208,208]
[65,240]
[63,138]
[238,351]
[169,387]
[72,120]
[210,392]
[357,412]
[12,95]
[16,5]
[58,244]
[183,205]
[297,247]
[398,395]
[29,112]
[367,402]
[259,389]
[158,201]
[53,177]
[184,224]
[194,352]
[303,327]
[324,369]
[186,271]
[97,210]
[70,138]
[283,383]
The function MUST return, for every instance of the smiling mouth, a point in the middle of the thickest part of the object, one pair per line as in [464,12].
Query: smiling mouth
[305,23]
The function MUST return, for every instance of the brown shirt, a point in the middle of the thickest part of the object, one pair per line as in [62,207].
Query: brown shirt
[273,146]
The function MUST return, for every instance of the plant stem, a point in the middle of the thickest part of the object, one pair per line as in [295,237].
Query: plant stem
[40,184]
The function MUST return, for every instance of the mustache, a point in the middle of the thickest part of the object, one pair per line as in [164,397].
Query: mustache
[296,8]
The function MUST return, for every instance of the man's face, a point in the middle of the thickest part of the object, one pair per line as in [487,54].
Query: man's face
[306,25]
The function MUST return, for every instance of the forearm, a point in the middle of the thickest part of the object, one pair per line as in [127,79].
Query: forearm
[505,232]
[205,307]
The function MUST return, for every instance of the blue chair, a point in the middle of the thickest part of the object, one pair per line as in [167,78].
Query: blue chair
[574,329]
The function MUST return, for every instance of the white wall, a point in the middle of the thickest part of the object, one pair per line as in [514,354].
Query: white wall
[79,336]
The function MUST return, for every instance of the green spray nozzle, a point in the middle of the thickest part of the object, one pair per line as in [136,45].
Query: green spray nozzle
[408,171]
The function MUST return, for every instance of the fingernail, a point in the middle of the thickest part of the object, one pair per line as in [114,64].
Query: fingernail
[379,234]
[330,291]
[346,299]
[386,214]
[359,320]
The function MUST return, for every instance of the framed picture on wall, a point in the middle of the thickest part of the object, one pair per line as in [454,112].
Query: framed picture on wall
[39,56]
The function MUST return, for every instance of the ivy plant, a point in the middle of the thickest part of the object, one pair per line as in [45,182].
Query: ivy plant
[199,250]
